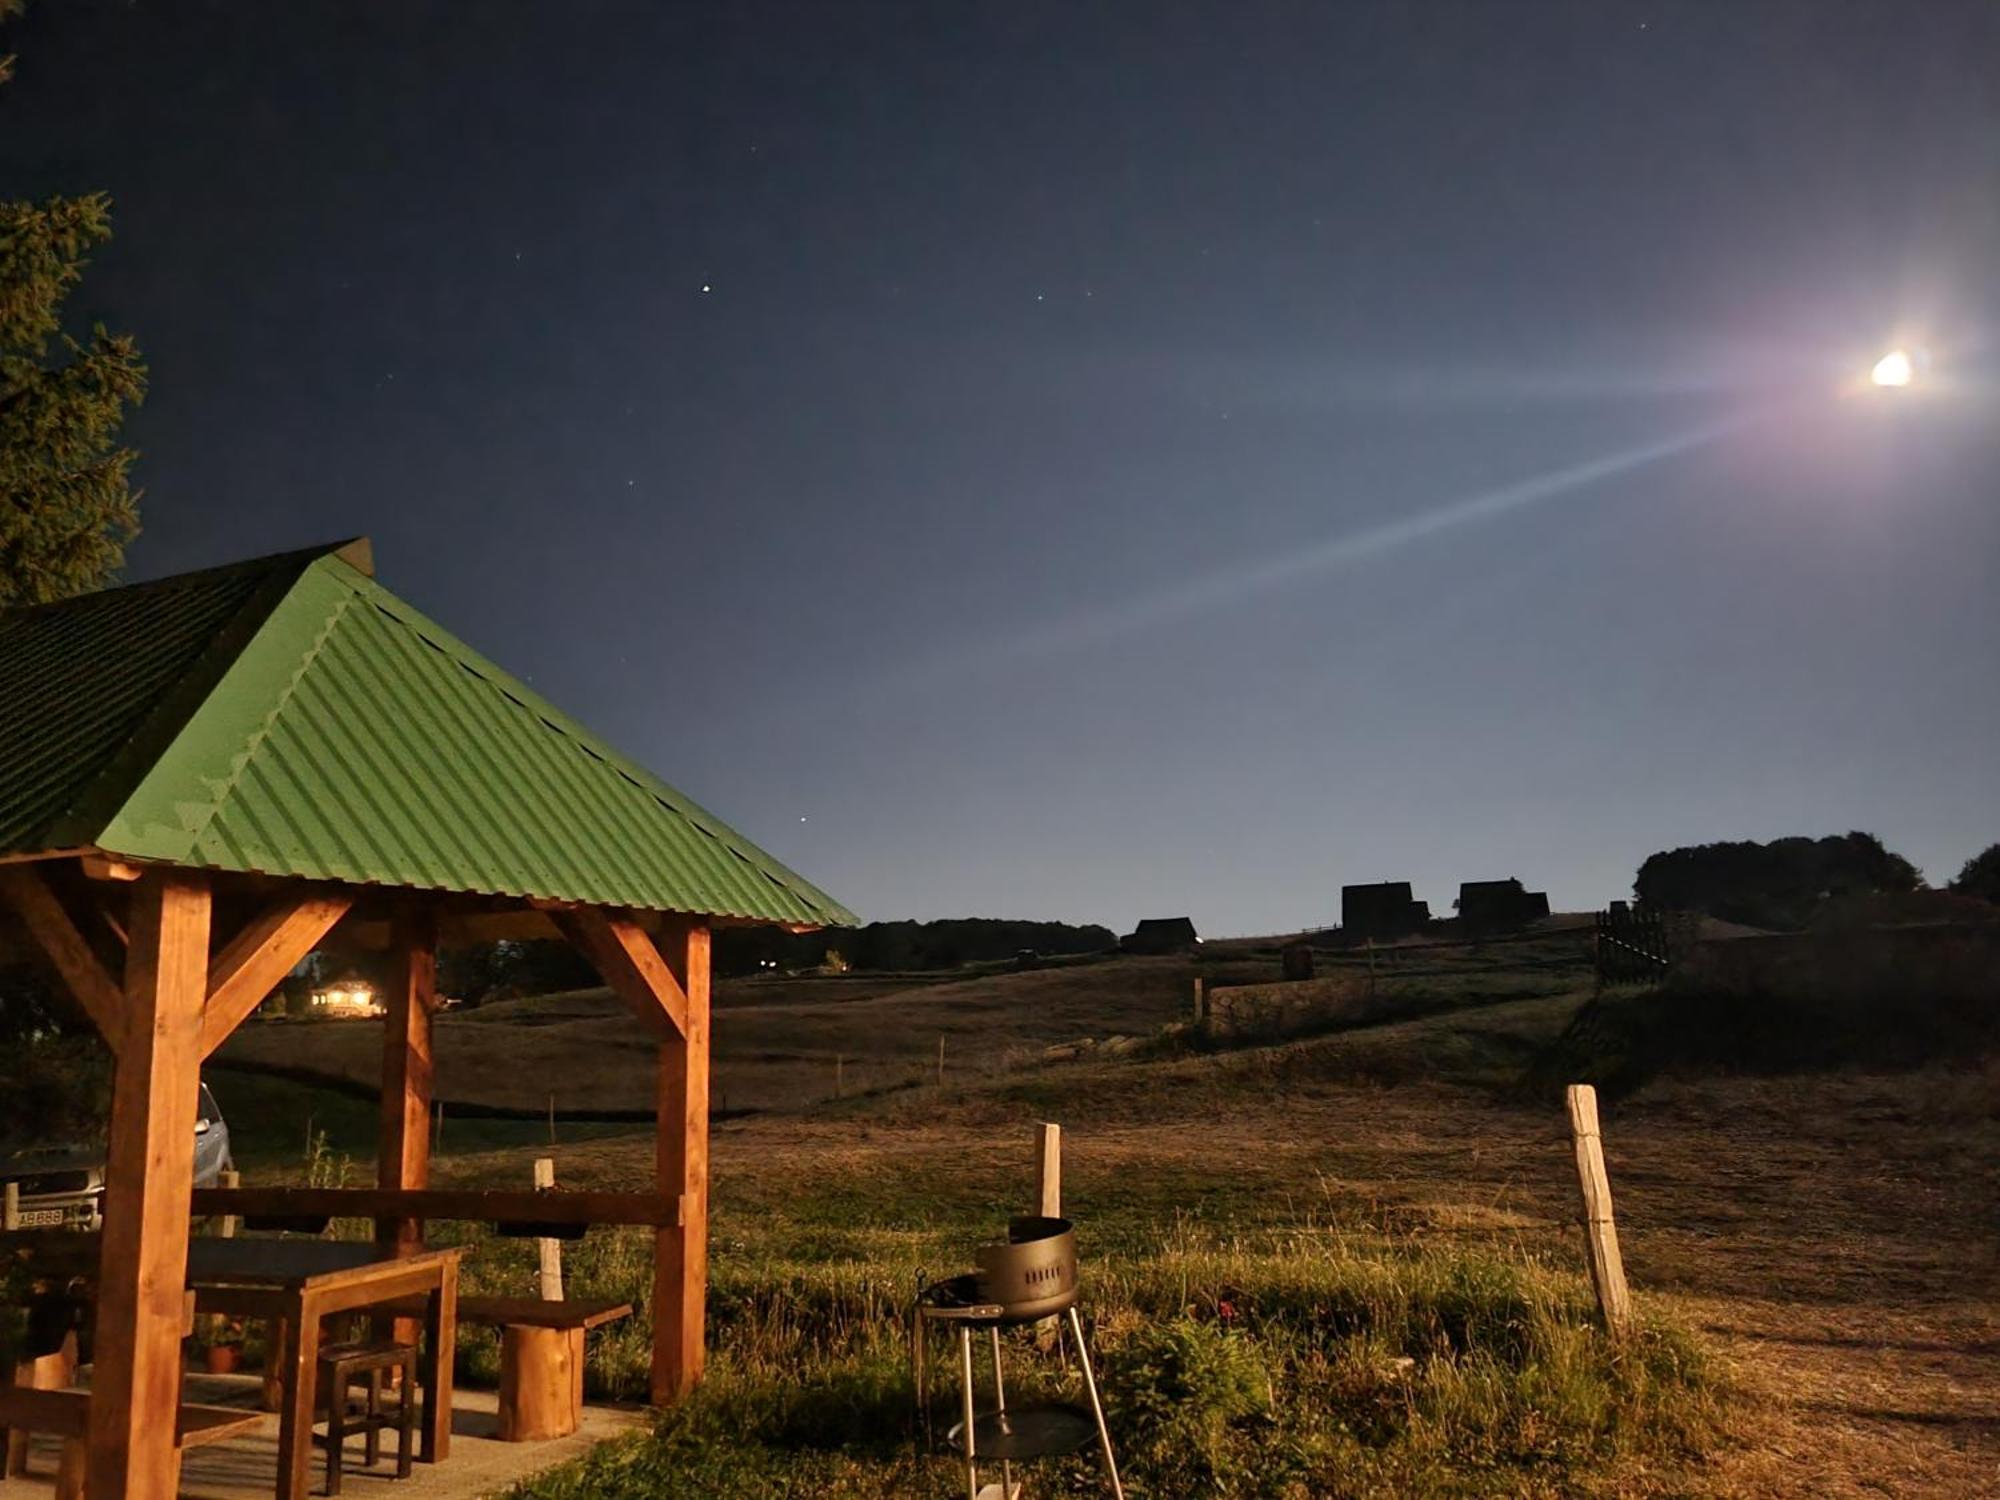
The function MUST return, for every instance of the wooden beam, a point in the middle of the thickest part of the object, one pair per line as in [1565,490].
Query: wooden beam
[405,1156]
[149,1176]
[680,1252]
[97,865]
[259,957]
[628,961]
[497,1206]
[459,928]
[83,974]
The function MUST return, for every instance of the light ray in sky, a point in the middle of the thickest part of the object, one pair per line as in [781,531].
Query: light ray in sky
[1231,585]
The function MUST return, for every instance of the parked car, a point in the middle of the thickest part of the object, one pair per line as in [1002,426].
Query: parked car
[62,1185]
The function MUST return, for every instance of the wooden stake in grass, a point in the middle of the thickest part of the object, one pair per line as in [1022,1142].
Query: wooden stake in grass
[551,1249]
[1600,1233]
[1048,1203]
[230,1222]
[940,1062]
[1048,1171]
[839,1077]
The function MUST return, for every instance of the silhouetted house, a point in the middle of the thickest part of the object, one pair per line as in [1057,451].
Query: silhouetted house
[1498,905]
[1383,910]
[1160,935]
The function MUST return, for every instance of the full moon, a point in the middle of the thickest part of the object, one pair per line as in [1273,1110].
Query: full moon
[1894,368]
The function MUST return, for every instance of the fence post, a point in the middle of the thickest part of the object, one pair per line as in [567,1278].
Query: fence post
[1048,1171]
[10,1210]
[940,1062]
[230,1222]
[1048,1201]
[551,1250]
[1600,1233]
[1200,999]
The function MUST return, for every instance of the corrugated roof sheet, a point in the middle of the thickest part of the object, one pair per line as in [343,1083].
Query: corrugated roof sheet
[328,730]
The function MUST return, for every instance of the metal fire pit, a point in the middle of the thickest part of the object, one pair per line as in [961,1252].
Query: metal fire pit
[1032,1277]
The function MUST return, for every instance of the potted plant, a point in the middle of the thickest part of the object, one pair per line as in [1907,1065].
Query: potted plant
[224,1354]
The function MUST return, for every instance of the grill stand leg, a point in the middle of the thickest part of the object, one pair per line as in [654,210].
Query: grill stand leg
[965,1373]
[917,1335]
[1000,1406]
[1096,1406]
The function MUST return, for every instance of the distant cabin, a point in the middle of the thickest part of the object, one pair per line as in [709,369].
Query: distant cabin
[1499,905]
[1160,935]
[348,998]
[1386,909]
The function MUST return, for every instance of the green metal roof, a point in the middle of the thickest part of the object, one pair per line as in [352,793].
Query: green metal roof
[291,716]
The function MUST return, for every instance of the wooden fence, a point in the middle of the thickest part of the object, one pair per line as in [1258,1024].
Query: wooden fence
[1632,947]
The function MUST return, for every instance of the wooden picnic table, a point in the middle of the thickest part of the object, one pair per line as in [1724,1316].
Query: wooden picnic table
[296,1284]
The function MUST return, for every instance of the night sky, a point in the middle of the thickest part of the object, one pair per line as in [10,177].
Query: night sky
[1093,461]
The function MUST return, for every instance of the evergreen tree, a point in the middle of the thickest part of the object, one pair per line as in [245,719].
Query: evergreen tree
[67,506]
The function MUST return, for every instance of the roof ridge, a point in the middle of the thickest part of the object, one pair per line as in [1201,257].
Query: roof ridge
[98,803]
[353,547]
[240,761]
[572,730]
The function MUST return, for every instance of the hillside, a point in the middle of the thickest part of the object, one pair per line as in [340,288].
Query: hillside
[776,1041]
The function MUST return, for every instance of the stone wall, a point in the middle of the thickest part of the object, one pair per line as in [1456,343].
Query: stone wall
[1277,1010]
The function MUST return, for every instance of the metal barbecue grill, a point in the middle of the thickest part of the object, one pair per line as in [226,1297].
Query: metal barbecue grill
[1030,1278]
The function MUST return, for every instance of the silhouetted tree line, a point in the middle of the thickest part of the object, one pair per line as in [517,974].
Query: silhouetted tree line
[497,971]
[1778,884]
[501,971]
[1981,875]
[893,946]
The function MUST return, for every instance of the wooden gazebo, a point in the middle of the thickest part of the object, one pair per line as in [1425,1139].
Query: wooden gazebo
[204,778]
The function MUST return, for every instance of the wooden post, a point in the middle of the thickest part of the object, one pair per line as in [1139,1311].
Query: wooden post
[1607,1270]
[149,1175]
[1200,999]
[839,1078]
[230,1178]
[550,1249]
[940,1062]
[680,1253]
[10,1208]
[226,1229]
[1048,1203]
[1048,1171]
[404,1157]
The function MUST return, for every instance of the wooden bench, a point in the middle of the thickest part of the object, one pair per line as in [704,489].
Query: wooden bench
[66,1414]
[541,1359]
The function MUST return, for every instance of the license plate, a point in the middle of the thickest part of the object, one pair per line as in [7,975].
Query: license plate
[41,1218]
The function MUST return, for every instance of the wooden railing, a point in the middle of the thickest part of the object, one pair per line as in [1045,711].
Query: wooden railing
[492,1206]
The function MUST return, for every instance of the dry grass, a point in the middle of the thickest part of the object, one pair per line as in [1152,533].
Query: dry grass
[775,1041]
[1829,1236]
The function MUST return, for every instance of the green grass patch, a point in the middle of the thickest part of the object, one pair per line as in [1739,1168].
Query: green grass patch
[1284,1364]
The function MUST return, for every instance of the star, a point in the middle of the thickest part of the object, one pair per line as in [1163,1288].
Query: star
[706,288]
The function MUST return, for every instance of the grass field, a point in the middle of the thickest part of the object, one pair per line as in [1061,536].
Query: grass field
[1812,1255]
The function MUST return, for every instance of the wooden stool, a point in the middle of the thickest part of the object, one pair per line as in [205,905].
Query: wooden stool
[340,1366]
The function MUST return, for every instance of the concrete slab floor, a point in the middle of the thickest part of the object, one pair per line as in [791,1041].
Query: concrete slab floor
[246,1468]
